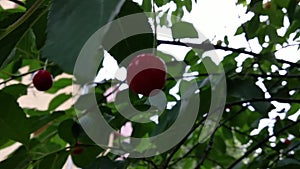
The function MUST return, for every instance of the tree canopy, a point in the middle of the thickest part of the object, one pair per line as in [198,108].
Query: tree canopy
[213,108]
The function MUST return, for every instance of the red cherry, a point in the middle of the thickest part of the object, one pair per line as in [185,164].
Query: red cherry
[42,80]
[287,142]
[77,150]
[267,5]
[145,73]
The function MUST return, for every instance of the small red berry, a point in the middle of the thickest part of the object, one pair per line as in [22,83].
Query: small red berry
[77,150]
[287,142]
[145,73]
[267,5]
[42,80]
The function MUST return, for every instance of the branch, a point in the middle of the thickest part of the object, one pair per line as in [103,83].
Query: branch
[18,2]
[185,155]
[208,46]
[283,100]
[265,140]
[270,75]
[207,150]
[175,149]
[22,19]
[150,162]
[18,76]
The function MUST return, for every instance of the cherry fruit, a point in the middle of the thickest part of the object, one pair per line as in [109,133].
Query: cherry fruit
[145,73]
[267,5]
[42,80]
[287,142]
[77,149]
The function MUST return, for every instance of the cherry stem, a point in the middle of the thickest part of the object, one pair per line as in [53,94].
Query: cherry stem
[46,63]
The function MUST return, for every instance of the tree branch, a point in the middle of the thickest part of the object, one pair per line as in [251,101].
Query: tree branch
[207,150]
[208,46]
[150,162]
[18,76]
[175,149]
[262,143]
[283,100]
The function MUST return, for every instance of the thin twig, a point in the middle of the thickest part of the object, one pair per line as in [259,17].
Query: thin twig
[283,100]
[261,143]
[207,47]
[150,162]
[207,151]
[177,147]
[18,76]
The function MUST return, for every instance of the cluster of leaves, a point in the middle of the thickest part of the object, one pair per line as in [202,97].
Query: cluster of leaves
[56,30]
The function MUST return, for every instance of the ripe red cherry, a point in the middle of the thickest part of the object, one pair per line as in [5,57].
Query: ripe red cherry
[77,149]
[287,141]
[145,73]
[42,80]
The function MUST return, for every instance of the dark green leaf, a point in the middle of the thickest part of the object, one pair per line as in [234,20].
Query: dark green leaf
[58,100]
[59,84]
[53,161]
[16,90]
[13,122]
[87,157]
[106,163]
[13,36]
[70,24]
[39,121]
[117,40]
[65,131]
[18,160]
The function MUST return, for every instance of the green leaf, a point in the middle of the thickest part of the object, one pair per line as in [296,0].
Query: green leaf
[42,149]
[229,62]
[65,131]
[252,26]
[53,161]
[59,84]
[58,100]
[188,5]
[184,30]
[288,163]
[19,159]
[16,90]
[26,47]
[276,18]
[244,88]
[87,157]
[106,163]
[191,58]
[14,34]
[70,24]
[282,3]
[41,120]
[239,30]
[226,40]
[147,6]
[13,122]
[39,30]
[125,42]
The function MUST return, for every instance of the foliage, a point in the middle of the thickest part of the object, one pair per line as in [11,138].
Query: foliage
[50,33]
